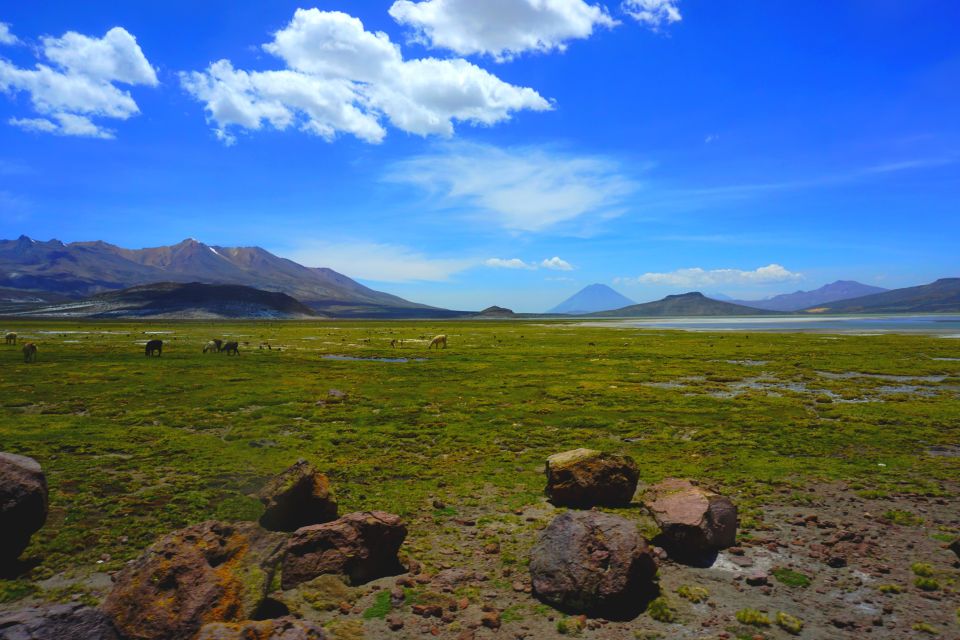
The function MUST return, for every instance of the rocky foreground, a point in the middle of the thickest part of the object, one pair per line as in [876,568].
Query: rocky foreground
[840,565]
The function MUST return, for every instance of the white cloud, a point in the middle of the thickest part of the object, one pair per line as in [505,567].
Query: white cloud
[379,262]
[341,78]
[6,36]
[556,264]
[64,124]
[500,28]
[696,277]
[520,189]
[653,13]
[511,263]
[80,84]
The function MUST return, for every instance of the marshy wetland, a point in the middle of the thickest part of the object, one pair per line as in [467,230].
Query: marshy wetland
[831,445]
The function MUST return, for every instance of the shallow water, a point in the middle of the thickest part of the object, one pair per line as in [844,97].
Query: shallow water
[945,325]
[358,359]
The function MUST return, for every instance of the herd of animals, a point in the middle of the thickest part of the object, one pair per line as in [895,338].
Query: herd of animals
[155,347]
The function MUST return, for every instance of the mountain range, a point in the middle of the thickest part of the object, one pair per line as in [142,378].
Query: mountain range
[592,298]
[940,296]
[799,300]
[80,269]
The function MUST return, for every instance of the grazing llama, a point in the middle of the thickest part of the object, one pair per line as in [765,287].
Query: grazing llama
[154,347]
[29,352]
[439,340]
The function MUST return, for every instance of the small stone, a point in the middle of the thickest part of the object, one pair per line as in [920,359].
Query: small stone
[395,622]
[836,562]
[491,619]
[757,579]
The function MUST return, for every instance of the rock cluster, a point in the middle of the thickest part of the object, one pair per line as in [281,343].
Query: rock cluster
[585,478]
[214,581]
[23,503]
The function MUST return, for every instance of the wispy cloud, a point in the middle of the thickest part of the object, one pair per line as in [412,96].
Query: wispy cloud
[653,13]
[6,36]
[696,277]
[380,262]
[508,263]
[555,263]
[518,188]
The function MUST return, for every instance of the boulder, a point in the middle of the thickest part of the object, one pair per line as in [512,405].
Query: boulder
[361,546]
[694,521]
[285,628]
[210,572]
[588,562]
[60,622]
[955,547]
[298,497]
[23,503]
[585,478]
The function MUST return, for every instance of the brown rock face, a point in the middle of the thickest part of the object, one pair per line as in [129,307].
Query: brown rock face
[588,562]
[361,546]
[210,572]
[694,521]
[279,629]
[585,478]
[23,503]
[298,497]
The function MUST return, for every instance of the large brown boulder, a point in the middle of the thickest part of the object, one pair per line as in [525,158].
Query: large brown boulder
[588,562]
[23,503]
[279,629]
[298,497]
[58,622]
[210,572]
[361,546]
[585,478]
[694,521]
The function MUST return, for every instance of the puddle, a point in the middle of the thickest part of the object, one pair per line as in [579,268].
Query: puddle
[846,375]
[945,451]
[359,359]
[946,359]
[907,388]
[62,332]
[748,363]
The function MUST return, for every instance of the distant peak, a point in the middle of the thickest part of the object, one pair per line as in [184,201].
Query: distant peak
[690,294]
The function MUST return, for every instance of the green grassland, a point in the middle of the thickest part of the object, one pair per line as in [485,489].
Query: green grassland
[134,447]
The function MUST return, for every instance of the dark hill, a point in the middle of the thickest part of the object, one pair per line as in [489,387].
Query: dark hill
[496,312]
[687,304]
[182,301]
[940,296]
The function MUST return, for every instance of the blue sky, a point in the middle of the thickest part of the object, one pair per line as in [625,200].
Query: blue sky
[466,154]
